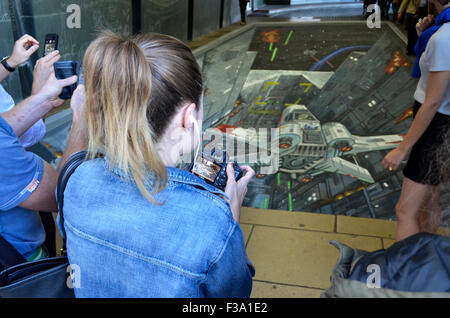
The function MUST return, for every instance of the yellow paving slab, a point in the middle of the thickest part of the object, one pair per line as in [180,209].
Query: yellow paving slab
[246,230]
[296,257]
[387,243]
[293,220]
[270,290]
[365,226]
[444,231]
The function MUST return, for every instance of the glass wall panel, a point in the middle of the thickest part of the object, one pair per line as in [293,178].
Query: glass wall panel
[206,17]
[231,12]
[52,16]
[166,16]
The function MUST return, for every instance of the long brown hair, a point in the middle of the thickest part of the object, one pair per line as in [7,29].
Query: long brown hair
[134,86]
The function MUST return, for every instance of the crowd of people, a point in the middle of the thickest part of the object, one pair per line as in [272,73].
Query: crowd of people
[407,13]
[135,224]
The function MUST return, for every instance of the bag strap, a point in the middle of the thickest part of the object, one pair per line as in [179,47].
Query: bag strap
[69,167]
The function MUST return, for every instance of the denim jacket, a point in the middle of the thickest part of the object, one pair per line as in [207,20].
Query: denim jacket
[125,246]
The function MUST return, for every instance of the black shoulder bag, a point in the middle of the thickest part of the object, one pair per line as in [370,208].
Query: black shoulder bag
[46,278]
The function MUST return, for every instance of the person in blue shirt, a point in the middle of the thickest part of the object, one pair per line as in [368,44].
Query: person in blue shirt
[27,182]
[137,226]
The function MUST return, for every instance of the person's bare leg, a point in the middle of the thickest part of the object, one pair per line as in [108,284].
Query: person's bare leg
[436,209]
[430,218]
[414,198]
[424,215]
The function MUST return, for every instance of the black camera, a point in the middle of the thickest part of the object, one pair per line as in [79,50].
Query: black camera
[214,170]
[65,69]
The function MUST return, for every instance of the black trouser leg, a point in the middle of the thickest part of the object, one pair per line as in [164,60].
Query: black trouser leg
[243,8]
[411,21]
[395,7]
[382,4]
[423,12]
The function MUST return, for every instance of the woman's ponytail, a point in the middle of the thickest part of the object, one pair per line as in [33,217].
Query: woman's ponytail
[118,81]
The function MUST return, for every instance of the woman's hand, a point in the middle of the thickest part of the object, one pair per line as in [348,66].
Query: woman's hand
[77,104]
[424,24]
[23,48]
[236,191]
[394,158]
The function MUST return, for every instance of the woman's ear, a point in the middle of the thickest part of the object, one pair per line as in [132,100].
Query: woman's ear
[188,115]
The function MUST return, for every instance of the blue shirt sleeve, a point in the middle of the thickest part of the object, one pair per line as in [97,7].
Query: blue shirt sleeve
[231,276]
[20,171]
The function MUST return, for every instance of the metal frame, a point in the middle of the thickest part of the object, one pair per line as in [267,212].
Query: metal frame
[136,12]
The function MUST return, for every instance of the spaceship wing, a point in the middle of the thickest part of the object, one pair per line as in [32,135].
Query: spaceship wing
[249,146]
[363,144]
[346,168]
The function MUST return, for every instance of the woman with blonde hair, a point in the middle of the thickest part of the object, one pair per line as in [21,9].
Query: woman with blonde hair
[136,225]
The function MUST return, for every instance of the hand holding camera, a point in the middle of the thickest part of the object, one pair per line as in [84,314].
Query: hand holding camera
[213,168]
[237,189]
[53,79]
[230,178]
[68,69]
[45,82]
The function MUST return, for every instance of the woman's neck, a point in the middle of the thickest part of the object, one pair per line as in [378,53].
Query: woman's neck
[170,146]
[169,154]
